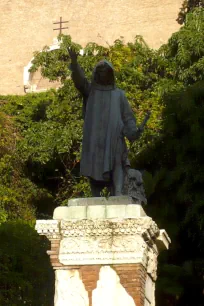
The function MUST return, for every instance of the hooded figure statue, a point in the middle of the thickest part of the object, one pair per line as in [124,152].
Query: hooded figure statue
[108,119]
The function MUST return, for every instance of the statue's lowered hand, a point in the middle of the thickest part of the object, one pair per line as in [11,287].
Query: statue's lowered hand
[147,116]
[140,128]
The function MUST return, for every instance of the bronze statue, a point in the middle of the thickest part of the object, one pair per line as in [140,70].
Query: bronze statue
[108,119]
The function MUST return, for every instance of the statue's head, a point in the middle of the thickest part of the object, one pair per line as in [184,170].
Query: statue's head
[104,73]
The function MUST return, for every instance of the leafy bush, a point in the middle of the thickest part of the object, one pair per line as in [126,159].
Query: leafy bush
[26,276]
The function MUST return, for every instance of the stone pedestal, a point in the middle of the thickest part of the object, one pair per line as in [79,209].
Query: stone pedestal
[104,252]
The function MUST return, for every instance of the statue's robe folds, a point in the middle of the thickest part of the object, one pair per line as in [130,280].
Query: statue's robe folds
[108,118]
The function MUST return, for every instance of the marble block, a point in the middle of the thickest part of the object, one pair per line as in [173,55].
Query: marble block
[109,291]
[99,208]
[116,200]
[69,289]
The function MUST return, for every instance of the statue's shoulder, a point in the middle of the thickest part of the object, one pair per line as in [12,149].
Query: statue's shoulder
[120,92]
[120,96]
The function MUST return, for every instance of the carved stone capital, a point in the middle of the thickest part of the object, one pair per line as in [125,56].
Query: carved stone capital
[107,241]
[143,226]
[48,228]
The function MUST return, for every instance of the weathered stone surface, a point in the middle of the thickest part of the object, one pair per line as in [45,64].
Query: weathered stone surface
[98,212]
[132,278]
[69,289]
[103,250]
[163,240]
[64,212]
[105,241]
[27,26]
[109,291]
[99,208]
[149,291]
[48,228]
[116,200]
[147,303]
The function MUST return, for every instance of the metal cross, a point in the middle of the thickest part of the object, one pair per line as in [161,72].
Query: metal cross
[60,23]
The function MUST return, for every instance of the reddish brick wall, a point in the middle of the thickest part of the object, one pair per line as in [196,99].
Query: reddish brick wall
[90,276]
[132,276]
[53,253]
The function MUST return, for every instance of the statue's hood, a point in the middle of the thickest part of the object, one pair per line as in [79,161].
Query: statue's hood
[104,62]
[110,66]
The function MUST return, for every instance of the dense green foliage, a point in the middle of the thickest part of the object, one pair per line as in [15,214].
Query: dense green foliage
[178,195]
[188,6]
[16,191]
[41,138]
[26,277]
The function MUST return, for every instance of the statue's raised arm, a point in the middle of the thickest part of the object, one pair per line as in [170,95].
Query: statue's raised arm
[78,76]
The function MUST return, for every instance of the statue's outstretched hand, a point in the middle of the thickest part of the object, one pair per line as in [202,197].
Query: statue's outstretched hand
[73,55]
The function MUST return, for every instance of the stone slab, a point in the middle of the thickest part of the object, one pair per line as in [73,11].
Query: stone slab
[95,212]
[109,290]
[69,289]
[163,240]
[98,212]
[117,200]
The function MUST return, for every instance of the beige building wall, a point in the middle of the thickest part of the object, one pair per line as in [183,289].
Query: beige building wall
[27,26]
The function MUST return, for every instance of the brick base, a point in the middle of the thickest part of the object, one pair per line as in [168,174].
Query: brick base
[132,276]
